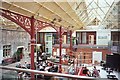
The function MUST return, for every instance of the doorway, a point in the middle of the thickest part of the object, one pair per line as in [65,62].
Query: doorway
[91,39]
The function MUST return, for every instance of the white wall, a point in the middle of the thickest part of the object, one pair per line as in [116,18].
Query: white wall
[1,47]
[103,37]
[48,29]
[1,56]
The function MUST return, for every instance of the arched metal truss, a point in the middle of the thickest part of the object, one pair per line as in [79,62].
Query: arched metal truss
[25,21]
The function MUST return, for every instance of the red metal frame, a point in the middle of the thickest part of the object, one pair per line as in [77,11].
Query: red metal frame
[25,21]
[21,20]
[29,24]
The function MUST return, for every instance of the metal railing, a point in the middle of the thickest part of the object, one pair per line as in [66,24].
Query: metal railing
[49,73]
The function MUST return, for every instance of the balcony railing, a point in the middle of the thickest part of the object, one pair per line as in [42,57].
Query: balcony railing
[51,74]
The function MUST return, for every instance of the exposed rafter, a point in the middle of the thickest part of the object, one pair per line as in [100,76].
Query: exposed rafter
[54,13]
[68,14]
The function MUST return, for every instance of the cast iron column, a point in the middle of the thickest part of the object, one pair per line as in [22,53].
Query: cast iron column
[60,62]
[71,43]
[32,45]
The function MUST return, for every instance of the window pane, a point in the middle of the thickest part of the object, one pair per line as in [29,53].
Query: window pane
[84,37]
[6,51]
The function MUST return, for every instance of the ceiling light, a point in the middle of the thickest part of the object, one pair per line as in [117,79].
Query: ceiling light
[54,19]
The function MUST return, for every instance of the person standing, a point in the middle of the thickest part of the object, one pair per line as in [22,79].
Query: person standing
[95,72]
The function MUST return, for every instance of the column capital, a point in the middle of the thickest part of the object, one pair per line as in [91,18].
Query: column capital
[32,40]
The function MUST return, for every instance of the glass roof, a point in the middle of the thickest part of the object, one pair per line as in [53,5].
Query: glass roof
[93,10]
[75,13]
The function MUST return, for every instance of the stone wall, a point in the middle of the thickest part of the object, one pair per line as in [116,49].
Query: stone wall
[14,38]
